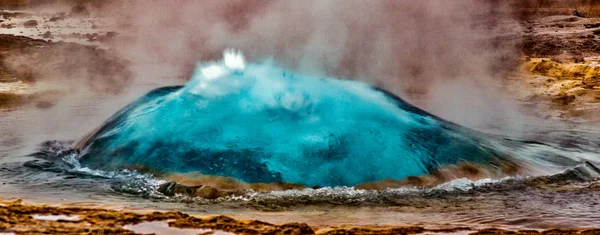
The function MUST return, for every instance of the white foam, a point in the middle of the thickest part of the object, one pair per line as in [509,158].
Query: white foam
[234,60]
[464,184]
[213,79]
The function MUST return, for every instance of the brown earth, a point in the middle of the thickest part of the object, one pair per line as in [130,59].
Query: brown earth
[31,60]
[570,90]
[560,54]
[73,65]
[18,217]
[77,4]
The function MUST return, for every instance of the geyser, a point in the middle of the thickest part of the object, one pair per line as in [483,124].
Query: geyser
[261,123]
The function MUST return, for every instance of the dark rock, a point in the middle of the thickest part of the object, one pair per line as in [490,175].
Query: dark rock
[208,192]
[79,10]
[8,15]
[566,20]
[595,186]
[167,189]
[58,17]
[591,26]
[91,37]
[111,34]
[39,164]
[578,13]
[109,37]
[7,26]
[302,228]
[584,172]
[590,82]
[30,24]
[172,188]
[564,100]
[44,105]
[47,34]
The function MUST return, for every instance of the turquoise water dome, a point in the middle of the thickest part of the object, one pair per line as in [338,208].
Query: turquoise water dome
[261,123]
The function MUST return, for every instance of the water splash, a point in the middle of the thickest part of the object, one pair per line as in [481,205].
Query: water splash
[261,123]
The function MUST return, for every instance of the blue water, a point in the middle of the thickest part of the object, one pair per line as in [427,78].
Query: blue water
[261,123]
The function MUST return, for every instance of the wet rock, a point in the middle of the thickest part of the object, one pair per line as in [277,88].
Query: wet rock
[208,192]
[39,164]
[584,172]
[30,24]
[202,191]
[167,188]
[595,186]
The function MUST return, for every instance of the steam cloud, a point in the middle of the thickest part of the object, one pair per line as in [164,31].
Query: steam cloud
[442,55]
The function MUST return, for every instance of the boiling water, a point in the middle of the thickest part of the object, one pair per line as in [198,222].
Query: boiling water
[261,123]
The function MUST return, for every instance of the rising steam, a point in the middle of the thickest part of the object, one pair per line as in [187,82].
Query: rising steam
[420,50]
